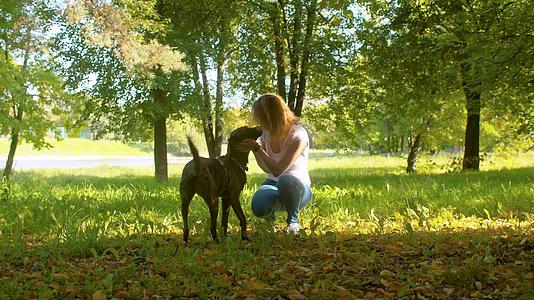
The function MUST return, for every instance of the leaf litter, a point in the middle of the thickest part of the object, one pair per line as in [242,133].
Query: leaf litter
[494,263]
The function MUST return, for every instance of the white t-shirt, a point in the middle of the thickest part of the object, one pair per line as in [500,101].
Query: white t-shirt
[299,168]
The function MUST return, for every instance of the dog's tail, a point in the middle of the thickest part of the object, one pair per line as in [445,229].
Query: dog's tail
[196,157]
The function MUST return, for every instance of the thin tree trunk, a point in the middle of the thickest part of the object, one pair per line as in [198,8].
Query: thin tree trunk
[471,160]
[415,147]
[160,138]
[294,53]
[17,109]
[310,22]
[415,144]
[219,100]
[208,119]
[279,51]
[11,154]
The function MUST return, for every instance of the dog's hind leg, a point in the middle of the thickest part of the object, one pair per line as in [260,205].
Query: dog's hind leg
[186,200]
[225,213]
[214,211]
[241,216]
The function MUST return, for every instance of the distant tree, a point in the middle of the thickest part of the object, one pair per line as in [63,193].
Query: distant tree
[484,47]
[118,55]
[32,97]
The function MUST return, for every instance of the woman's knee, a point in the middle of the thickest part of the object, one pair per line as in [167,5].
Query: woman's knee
[290,184]
[263,200]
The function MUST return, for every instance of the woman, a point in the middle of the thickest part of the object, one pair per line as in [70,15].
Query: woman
[283,155]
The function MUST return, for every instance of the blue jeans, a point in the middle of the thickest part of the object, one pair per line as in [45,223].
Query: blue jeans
[288,194]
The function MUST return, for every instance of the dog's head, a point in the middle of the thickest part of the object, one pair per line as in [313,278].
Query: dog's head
[240,134]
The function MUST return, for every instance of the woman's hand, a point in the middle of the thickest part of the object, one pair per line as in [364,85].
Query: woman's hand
[247,145]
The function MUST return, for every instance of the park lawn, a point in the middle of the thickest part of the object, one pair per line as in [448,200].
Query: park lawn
[370,232]
[77,147]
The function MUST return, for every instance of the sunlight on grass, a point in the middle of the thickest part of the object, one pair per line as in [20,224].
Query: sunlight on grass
[356,194]
[365,212]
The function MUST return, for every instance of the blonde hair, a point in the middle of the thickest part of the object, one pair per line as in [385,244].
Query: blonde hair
[272,114]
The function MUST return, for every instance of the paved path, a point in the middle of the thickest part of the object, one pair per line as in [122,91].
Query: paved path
[62,162]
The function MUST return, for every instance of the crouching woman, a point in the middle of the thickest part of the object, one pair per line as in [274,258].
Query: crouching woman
[283,156]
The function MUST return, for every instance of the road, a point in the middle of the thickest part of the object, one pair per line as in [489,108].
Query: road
[62,162]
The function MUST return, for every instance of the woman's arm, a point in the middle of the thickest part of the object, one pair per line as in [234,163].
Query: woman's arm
[275,167]
[260,161]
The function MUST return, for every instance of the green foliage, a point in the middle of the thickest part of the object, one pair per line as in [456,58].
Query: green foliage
[118,52]
[33,98]
[405,76]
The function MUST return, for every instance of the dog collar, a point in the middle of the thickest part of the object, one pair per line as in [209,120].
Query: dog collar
[244,169]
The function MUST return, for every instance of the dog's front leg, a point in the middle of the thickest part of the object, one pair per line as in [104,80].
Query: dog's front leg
[214,211]
[225,213]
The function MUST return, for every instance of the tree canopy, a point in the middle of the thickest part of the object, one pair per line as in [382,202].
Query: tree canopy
[378,76]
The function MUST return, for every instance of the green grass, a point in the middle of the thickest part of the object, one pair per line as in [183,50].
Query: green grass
[370,231]
[77,147]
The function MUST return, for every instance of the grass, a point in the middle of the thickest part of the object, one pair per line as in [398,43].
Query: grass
[371,231]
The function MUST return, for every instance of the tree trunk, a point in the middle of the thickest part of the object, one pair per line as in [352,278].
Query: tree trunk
[471,159]
[219,109]
[294,55]
[199,91]
[471,87]
[310,22]
[160,138]
[11,155]
[279,52]
[207,120]
[415,147]
[17,109]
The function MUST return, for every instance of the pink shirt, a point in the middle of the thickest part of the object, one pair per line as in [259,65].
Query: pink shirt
[299,168]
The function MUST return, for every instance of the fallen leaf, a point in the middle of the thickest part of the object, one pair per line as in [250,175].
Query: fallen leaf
[476,294]
[328,268]
[386,293]
[303,269]
[395,286]
[256,285]
[296,295]
[327,255]
[122,295]
[99,295]
[387,273]
[448,291]
[60,277]
[438,267]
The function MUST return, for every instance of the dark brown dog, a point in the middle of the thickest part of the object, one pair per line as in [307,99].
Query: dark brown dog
[212,178]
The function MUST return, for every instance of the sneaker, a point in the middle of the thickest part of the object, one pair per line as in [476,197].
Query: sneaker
[293,228]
